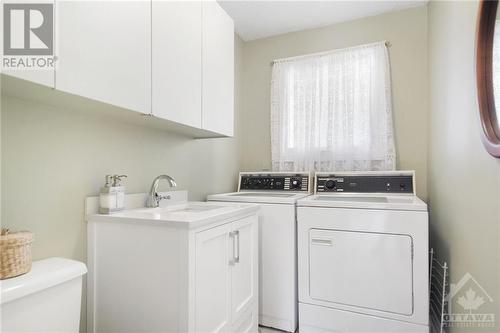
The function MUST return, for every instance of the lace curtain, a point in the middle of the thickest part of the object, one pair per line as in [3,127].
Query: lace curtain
[332,111]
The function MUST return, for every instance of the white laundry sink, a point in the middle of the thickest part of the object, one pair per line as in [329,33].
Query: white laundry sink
[184,214]
[189,207]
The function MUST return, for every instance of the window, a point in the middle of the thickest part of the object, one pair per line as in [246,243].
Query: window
[332,111]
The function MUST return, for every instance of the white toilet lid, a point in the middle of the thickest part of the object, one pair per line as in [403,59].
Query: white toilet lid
[44,274]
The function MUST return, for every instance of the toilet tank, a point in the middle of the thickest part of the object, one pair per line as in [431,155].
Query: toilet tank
[46,299]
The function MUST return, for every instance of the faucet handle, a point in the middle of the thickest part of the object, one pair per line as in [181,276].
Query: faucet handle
[160,197]
[154,198]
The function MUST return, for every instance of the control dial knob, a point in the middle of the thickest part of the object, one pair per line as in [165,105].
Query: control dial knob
[251,183]
[330,184]
[295,183]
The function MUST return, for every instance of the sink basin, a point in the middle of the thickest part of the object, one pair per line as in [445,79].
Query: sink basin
[188,207]
[178,212]
[182,214]
[194,208]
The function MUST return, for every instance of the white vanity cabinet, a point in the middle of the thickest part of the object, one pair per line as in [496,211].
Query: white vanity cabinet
[226,280]
[213,280]
[104,51]
[152,275]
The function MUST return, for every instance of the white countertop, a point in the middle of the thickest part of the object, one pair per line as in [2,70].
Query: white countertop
[187,215]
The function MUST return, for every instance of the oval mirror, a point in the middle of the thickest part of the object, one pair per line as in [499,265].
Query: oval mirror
[488,74]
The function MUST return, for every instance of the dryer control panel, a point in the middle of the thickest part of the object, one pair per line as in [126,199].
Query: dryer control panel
[390,182]
[296,182]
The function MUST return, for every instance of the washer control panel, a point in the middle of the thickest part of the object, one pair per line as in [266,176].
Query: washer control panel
[365,183]
[297,182]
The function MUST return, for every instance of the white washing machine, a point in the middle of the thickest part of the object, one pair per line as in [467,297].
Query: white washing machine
[277,194]
[363,254]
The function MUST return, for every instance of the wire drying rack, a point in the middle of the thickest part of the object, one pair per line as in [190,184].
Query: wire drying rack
[438,291]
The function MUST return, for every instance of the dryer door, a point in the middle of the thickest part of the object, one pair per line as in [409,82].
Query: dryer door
[362,269]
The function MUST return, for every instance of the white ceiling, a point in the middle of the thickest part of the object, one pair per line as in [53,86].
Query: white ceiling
[255,19]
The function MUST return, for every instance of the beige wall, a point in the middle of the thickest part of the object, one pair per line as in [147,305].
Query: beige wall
[407,32]
[52,158]
[464,181]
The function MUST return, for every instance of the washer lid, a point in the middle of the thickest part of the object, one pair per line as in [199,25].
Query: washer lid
[259,197]
[372,201]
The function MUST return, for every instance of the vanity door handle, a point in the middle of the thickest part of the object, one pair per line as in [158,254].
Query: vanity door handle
[237,238]
[236,258]
[322,241]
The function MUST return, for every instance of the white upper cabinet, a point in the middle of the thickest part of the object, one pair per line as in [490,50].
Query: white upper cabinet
[104,51]
[218,69]
[176,47]
[171,59]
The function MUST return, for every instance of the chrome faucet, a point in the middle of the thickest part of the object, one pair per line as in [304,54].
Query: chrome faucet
[154,198]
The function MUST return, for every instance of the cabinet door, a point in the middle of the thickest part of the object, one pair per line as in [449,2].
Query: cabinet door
[218,70]
[212,280]
[176,47]
[104,51]
[244,267]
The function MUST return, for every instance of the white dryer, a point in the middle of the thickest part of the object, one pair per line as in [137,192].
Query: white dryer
[363,254]
[277,194]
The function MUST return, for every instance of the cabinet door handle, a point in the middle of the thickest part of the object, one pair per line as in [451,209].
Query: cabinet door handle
[237,255]
[322,241]
[233,261]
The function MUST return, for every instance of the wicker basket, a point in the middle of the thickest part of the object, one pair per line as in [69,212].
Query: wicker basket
[15,251]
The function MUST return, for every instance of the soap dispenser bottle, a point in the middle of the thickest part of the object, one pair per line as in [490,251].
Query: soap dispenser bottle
[120,191]
[107,197]
[112,196]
